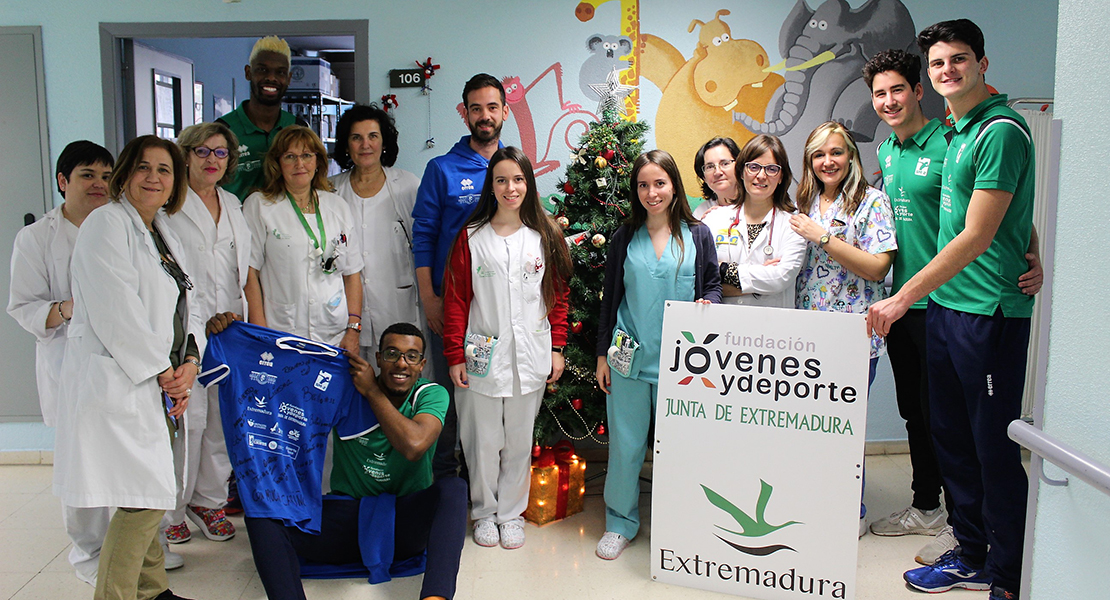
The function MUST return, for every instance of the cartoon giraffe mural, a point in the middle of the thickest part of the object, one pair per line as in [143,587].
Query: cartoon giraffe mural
[630,26]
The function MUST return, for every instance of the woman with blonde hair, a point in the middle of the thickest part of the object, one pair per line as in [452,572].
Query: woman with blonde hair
[850,229]
[305,262]
[217,243]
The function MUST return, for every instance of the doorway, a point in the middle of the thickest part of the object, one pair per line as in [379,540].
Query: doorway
[214,90]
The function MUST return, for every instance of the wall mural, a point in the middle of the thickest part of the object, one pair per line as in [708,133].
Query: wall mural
[724,85]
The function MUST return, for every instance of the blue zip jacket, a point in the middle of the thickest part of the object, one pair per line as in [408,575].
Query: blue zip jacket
[448,193]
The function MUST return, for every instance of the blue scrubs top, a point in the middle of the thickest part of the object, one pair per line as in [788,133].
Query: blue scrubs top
[648,283]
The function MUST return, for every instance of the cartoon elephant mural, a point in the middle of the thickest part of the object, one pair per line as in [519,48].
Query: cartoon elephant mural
[701,94]
[824,51]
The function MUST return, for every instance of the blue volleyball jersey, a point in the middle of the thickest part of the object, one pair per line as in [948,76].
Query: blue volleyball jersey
[280,396]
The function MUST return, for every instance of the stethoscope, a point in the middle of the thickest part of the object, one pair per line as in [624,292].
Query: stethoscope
[768,250]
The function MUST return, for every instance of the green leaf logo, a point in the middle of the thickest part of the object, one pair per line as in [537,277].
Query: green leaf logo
[689,337]
[757,527]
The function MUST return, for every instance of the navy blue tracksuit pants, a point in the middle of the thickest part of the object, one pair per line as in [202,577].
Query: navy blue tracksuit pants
[976,380]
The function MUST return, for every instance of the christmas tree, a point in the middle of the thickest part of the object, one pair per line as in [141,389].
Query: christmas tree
[594,203]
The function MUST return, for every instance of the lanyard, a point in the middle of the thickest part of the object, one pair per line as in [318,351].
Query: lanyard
[304,223]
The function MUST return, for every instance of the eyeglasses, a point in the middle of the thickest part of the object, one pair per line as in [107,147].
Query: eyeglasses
[753,169]
[392,355]
[174,270]
[291,159]
[710,167]
[204,151]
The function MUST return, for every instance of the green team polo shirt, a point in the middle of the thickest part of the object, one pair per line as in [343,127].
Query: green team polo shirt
[369,466]
[911,178]
[997,156]
[253,144]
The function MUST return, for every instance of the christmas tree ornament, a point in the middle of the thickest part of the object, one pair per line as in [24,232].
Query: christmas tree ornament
[562,221]
[552,388]
[612,94]
[576,327]
[568,188]
[598,240]
[600,162]
[536,451]
[608,154]
[576,404]
[578,156]
[601,182]
[601,428]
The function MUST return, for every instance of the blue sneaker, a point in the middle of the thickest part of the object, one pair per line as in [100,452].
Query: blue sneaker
[948,572]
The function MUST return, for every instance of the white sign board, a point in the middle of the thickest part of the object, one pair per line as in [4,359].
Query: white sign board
[759,450]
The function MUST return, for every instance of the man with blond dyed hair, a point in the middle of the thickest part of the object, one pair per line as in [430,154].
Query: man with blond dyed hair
[259,118]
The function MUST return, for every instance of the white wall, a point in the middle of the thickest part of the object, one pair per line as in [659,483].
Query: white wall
[1072,538]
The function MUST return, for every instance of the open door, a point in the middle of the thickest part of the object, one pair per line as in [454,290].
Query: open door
[158,91]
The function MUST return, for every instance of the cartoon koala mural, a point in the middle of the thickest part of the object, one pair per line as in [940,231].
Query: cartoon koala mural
[824,51]
[701,94]
[605,53]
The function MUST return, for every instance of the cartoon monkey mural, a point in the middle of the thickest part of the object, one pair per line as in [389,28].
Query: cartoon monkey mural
[824,51]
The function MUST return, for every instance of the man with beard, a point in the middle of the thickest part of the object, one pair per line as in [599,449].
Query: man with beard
[259,118]
[450,188]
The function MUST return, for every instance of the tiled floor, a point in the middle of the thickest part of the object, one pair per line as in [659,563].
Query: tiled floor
[557,562]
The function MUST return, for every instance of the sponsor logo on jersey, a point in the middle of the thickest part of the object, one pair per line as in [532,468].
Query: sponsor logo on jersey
[267,359]
[888,160]
[259,406]
[263,378]
[960,152]
[467,184]
[276,429]
[922,166]
[294,434]
[255,424]
[322,381]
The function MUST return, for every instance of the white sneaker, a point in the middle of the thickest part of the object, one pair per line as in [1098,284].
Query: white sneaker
[611,545]
[512,535]
[911,521]
[173,559]
[942,543]
[485,533]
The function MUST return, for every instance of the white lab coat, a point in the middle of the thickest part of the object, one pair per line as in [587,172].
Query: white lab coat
[762,285]
[112,437]
[298,297]
[39,278]
[196,232]
[508,304]
[383,225]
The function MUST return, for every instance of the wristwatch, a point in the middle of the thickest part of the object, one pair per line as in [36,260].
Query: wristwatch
[194,362]
[357,326]
[558,349]
[824,240]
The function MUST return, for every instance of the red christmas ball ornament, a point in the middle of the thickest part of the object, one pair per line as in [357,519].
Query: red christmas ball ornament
[568,188]
[552,388]
[576,327]
[608,154]
[536,451]
[576,404]
[601,429]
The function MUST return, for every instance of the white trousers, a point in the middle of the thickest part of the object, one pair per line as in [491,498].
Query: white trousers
[208,465]
[496,436]
[86,528]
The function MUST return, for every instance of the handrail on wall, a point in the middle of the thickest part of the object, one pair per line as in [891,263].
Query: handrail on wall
[1060,454]
[1043,102]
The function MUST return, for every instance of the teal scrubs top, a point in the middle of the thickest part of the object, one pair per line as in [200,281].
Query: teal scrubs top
[648,284]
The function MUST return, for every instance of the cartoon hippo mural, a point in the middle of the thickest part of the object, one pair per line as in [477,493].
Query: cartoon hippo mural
[824,52]
[700,94]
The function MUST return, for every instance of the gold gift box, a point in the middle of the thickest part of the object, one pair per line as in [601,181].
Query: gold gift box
[558,485]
